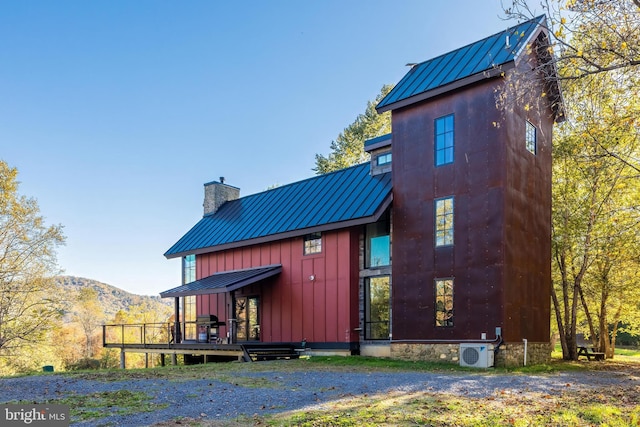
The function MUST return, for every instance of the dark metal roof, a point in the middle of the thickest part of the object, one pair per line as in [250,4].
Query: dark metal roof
[335,200]
[476,61]
[224,282]
[378,142]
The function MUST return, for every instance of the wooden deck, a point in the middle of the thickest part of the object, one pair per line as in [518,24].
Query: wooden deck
[157,339]
[182,348]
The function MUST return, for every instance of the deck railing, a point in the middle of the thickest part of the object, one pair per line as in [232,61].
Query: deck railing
[138,333]
[155,333]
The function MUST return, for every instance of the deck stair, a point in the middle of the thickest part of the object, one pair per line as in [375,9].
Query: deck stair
[269,351]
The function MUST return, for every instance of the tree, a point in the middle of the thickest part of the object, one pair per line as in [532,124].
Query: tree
[89,315]
[29,303]
[587,38]
[348,148]
[613,47]
[595,209]
[592,54]
[145,322]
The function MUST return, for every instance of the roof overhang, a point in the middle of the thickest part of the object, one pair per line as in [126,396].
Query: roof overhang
[549,69]
[379,142]
[226,281]
[294,233]
[484,75]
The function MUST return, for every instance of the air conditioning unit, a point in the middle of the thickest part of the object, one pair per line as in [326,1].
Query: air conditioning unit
[477,355]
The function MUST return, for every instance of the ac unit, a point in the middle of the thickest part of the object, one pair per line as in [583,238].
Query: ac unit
[477,355]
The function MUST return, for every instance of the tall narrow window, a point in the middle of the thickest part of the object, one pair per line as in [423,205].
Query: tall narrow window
[189,269]
[530,138]
[189,316]
[377,247]
[189,302]
[444,140]
[247,312]
[444,302]
[377,308]
[312,243]
[444,222]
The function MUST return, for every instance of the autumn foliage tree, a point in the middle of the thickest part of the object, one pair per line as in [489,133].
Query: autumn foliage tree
[29,304]
[89,315]
[576,45]
[596,170]
[587,38]
[144,323]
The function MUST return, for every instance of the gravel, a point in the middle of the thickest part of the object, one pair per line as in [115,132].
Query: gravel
[272,392]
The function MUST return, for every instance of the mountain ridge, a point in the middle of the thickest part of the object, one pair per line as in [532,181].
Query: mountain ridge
[111,298]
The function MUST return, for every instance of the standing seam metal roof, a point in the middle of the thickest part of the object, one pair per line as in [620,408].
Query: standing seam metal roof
[479,57]
[322,201]
[224,281]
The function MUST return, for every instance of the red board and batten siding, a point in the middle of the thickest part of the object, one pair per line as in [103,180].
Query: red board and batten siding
[293,307]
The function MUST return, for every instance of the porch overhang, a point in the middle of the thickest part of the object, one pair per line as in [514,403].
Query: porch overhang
[223,282]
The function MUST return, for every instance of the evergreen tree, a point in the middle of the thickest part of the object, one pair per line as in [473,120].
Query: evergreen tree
[348,148]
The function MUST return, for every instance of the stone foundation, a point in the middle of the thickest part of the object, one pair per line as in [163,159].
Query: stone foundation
[425,352]
[509,354]
[512,354]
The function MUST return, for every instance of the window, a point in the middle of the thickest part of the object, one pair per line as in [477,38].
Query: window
[444,302]
[530,138]
[444,222]
[383,159]
[444,140]
[377,308]
[247,312]
[377,248]
[188,269]
[312,243]
[189,317]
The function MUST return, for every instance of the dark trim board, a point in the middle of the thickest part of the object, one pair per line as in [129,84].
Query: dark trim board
[200,349]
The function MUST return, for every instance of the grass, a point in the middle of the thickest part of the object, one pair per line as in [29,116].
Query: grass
[612,406]
[422,408]
[92,406]
[617,405]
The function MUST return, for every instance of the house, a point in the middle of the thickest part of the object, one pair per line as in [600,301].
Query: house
[440,243]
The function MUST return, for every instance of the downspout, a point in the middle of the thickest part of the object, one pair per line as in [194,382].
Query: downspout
[525,351]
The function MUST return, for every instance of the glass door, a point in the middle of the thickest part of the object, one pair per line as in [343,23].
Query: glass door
[247,314]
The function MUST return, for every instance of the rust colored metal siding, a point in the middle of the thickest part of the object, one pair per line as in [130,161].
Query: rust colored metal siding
[528,223]
[293,307]
[494,226]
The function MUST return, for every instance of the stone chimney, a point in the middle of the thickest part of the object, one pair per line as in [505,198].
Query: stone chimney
[216,194]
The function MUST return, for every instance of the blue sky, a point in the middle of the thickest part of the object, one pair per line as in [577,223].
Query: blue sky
[117,112]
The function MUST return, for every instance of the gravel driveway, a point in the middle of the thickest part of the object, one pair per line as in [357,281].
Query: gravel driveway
[274,391]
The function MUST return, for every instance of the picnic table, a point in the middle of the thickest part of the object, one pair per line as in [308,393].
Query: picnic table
[586,350]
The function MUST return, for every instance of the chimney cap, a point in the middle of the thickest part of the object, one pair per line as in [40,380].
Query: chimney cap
[222,180]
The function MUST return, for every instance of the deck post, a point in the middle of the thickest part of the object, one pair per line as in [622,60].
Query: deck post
[177,323]
[174,359]
[161,359]
[146,360]
[122,360]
